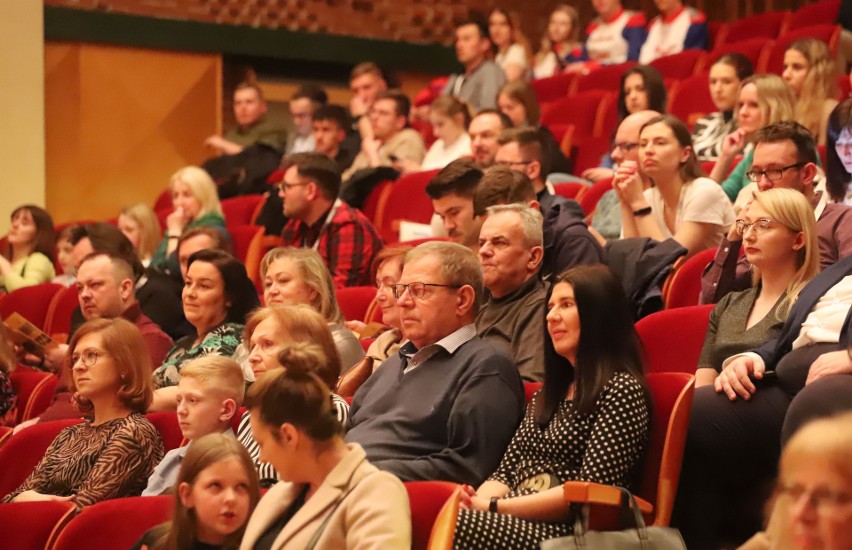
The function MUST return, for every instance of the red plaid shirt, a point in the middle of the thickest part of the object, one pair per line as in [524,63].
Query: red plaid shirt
[347,243]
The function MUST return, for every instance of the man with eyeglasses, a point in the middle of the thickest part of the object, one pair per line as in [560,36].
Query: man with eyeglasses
[446,405]
[606,220]
[785,155]
[318,219]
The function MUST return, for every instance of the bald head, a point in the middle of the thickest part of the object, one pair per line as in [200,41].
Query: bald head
[627,136]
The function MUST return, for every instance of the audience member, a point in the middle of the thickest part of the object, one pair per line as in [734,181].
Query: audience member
[449,118]
[210,393]
[392,139]
[445,407]
[677,28]
[7,365]
[366,82]
[615,36]
[560,43]
[606,219]
[217,491]
[451,191]
[343,236]
[305,101]
[331,496]
[784,155]
[682,204]
[330,128]
[65,257]
[512,49]
[641,89]
[726,77]
[484,130]
[298,276]
[196,204]
[199,238]
[517,100]
[268,330]
[217,296]
[764,99]
[482,78]
[589,422]
[252,125]
[113,452]
[736,425]
[28,258]
[511,318]
[838,167]
[140,225]
[781,246]
[567,240]
[810,73]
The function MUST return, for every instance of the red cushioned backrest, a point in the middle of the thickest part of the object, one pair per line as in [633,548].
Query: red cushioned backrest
[21,453]
[673,338]
[692,99]
[680,65]
[582,110]
[32,523]
[116,523]
[590,198]
[529,389]
[553,88]
[765,25]
[167,424]
[426,499]
[25,383]
[685,287]
[354,301]
[815,13]
[239,210]
[241,238]
[606,78]
[32,302]
[749,48]
[60,310]
[406,200]
[773,61]
[41,398]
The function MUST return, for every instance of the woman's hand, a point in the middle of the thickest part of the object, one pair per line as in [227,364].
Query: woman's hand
[733,144]
[355,325]
[35,496]
[176,221]
[833,362]
[735,378]
[628,185]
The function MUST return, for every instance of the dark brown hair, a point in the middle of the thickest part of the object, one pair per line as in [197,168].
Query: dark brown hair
[318,168]
[45,238]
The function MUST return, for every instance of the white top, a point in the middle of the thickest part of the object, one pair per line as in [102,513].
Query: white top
[441,154]
[825,321]
[668,37]
[702,201]
[514,54]
[547,67]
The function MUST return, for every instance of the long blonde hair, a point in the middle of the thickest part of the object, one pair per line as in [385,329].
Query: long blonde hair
[774,97]
[791,209]
[202,186]
[150,233]
[546,44]
[819,84]
[315,274]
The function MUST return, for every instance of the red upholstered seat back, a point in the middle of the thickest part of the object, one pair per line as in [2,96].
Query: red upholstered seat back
[426,499]
[355,301]
[673,338]
[32,302]
[29,525]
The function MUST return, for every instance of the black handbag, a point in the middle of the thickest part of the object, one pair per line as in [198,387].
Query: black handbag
[637,537]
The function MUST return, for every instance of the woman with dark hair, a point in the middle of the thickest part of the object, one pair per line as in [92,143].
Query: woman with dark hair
[681,204]
[838,166]
[513,52]
[113,452]
[28,260]
[589,422]
[217,296]
[726,76]
[330,496]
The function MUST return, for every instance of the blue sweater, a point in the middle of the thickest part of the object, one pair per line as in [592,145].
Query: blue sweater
[449,419]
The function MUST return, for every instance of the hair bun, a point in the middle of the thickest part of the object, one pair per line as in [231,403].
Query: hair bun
[301,359]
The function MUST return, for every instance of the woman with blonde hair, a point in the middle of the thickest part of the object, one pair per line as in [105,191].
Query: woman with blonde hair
[141,226]
[196,203]
[779,235]
[559,45]
[299,276]
[113,452]
[513,52]
[809,71]
[764,99]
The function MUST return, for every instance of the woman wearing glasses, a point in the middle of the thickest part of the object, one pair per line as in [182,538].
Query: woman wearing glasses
[779,236]
[681,204]
[112,453]
[764,99]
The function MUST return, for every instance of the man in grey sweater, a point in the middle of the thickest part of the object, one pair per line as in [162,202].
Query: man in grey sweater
[446,406]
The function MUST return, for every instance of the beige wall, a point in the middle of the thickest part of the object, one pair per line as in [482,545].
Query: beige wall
[22,108]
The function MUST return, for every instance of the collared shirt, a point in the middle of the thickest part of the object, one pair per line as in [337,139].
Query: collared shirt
[415,357]
[164,476]
[825,321]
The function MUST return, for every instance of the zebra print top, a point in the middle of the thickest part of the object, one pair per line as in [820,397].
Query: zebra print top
[96,463]
[265,471]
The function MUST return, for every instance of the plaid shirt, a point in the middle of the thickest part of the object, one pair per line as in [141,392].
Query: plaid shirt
[347,244]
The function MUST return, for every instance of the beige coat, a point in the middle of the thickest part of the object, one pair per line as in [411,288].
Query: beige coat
[374,515]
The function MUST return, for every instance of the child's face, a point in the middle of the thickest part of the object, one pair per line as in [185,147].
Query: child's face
[199,410]
[444,127]
[220,498]
[65,255]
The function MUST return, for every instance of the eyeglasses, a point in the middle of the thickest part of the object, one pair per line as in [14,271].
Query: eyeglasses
[287,186]
[760,226]
[821,499]
[89,357]
[773,174]
[625,146]
[415,290]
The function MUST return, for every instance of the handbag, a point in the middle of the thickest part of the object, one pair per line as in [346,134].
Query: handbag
[635,538]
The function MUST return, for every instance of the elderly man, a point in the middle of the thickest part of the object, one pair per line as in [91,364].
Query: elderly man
[785,155]
[343,236]
[252,126]
[512,318]
[482,78]
[446,406]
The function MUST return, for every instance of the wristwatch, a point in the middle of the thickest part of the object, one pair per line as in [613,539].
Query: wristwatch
[642,212]
[492,506]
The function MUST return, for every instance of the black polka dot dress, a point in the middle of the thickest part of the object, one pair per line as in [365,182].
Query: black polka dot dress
[604,446]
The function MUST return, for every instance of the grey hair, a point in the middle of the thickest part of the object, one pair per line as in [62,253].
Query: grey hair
[459,266]
[531,221]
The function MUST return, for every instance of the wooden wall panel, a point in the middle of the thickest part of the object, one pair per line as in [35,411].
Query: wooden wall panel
[120,121]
